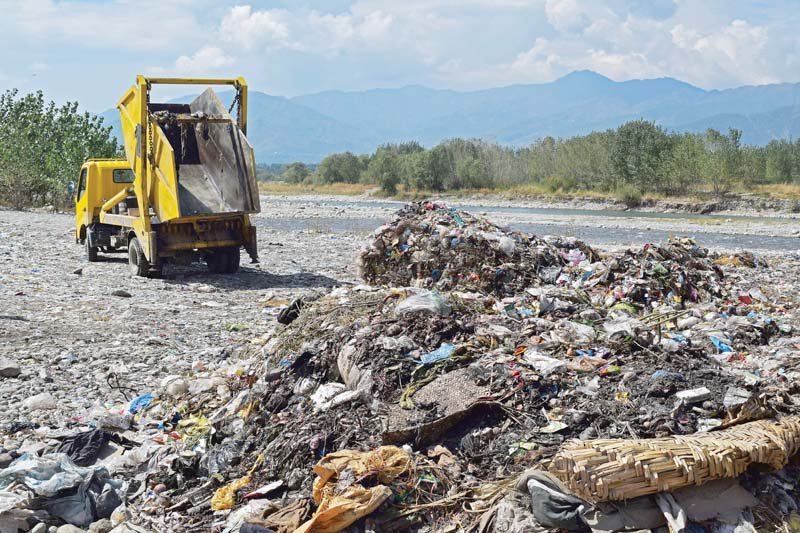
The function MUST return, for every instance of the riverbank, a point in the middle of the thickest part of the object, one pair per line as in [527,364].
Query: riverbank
[778,201]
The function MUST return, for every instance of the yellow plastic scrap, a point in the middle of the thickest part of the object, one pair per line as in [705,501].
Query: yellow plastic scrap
[337,511]
[729,260]
[225,497]
[194,428]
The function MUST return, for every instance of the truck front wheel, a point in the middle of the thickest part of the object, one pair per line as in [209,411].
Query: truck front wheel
[136,260]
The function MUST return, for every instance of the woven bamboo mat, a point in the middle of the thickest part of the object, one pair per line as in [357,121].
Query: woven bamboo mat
[620,469]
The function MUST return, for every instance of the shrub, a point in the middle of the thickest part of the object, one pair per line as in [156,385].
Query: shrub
[630,196]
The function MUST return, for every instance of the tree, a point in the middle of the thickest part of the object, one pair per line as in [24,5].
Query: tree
[780,164]
[683,167]
[723,159]
[295,173]
[639,150]
[339,168]
[42,148]
[384,169]
[473,174]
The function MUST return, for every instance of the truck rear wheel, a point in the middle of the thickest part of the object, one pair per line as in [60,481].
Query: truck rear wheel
[137,262]
[224,261]
[91,252]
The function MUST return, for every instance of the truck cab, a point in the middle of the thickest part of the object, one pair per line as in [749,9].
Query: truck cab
[99,181]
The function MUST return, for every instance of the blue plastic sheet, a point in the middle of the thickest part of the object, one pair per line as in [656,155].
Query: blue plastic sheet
[439,354]
[721,346]
[137,404]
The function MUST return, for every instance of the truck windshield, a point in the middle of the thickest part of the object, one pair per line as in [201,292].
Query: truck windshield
[123,175]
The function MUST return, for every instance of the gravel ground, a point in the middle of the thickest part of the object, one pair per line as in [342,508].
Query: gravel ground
[74,339]
[517,213]
[78,342]
[75,335]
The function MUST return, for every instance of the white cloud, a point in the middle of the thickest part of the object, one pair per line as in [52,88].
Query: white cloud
[250,28]
[465,44]
[207,59]
[567,15]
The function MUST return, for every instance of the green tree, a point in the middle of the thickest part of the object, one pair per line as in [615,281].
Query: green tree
[723,160]
[638,153]
[473,174]
[683,165]
[295,173]
[384,169]
[780,162]
[42,147]
[339,168]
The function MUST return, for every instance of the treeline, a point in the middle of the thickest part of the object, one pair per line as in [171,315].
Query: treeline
[42,147]
[636,158]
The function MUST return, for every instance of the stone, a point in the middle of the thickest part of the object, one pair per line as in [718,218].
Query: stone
[41,527]
[69,528]
[5,460]
[9,368]
[45,400]
[121,293]
[697,395]
[101,526]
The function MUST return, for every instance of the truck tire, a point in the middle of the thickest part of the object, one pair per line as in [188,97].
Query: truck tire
[223,261]
[136,260]
[91,252]
[232,266]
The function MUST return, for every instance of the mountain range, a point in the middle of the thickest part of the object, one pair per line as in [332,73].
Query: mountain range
[309,127]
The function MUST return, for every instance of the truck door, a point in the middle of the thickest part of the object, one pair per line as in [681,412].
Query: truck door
[81,200]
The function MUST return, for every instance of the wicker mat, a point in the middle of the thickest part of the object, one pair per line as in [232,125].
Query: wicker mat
[620,469]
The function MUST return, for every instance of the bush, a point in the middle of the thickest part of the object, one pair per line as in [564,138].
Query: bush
[554,184]
[630,196]
[295,173]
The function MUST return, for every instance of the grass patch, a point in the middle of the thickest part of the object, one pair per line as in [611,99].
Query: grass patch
[783,191]
[339,189]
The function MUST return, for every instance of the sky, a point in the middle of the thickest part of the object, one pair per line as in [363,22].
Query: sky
[91,50]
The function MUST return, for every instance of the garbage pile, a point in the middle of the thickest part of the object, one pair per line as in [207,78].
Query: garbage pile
[437,397]
[431,245]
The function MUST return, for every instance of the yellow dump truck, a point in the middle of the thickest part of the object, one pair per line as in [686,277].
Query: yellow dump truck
[185,190]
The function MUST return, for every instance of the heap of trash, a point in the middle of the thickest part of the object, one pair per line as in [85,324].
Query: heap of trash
[482,380]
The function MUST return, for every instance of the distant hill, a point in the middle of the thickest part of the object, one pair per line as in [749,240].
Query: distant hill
[309,127]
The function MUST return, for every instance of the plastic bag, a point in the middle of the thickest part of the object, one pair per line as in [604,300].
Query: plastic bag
[507,246]
[424,302]
[543,364]
[225,497]
[574,333]
[46,475]
[441,353]
[139,403]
